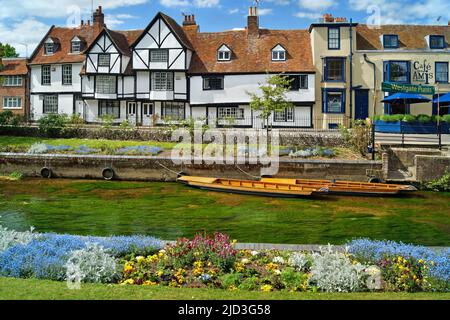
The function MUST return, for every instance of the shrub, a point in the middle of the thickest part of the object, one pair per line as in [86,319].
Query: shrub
[293,280]
[358,137]
[300,261]
[409,118]
[125,125]
[76,120]
[442,184]
[6,117]
[446,118]
[38,148]
[92,264]
[335,272]
[423,118]
[370,251]
[230,280]
[45,257]
[16,175]
[52,125]
[250,284]
[392,117]
[107,121]
[10,238]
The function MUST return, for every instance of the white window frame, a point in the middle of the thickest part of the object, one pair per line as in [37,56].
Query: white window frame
[177,110]
[75,46]
[286,115]
[11,103]
[278,55]
[47,75]
[231,113]
[223,55]
[109,107]
[12,81]
[147,109]
[159,56]
[49,49]
[67,74]
[106,84]
[131,108]
[162,81]
[52,100]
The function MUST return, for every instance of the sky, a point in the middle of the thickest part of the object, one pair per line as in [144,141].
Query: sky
[24,23]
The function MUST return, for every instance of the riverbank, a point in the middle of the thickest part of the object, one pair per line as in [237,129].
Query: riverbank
[170,211]
[32,289]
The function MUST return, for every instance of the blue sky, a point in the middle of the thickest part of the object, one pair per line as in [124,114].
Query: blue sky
[26,22]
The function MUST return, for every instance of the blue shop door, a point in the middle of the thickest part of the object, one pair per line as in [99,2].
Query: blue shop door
[361,104]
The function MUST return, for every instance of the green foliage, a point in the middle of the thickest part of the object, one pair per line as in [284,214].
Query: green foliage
[293,280]
[250,284]
[423,118]
[9,118]
[273,96]
[409,118]
[446,118]
[52,125]
[107,121]
[126,125]
[230,280]
[358,137]
[441,184]
[392,117]
[76,120]
[7,51]
[16,175]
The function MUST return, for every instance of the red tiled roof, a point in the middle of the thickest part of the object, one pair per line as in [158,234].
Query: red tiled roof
[410,37]
[13,67]
[251,54]
[64,36]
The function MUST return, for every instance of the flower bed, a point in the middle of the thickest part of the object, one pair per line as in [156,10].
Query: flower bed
[42,148]
[213,262]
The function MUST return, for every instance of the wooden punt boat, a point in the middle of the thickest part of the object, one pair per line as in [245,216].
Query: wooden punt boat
[347,187]
[268,189]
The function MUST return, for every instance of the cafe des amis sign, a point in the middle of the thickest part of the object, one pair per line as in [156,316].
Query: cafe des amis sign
[407,88]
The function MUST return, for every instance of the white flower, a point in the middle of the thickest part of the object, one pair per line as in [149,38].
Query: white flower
[277,271]
[278,260]
[245,261]
[254,253]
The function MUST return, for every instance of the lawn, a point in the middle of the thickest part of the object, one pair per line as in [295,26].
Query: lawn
[170,211]
[22,289]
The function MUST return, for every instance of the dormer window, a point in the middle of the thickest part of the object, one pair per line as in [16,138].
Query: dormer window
[437,42]
[278,53]
[49,46]
[75,46]
[390,41]
[224,53]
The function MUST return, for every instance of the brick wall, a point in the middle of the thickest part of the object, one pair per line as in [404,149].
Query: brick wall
[15,92]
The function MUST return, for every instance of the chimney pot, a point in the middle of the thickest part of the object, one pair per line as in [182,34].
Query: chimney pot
[89,22]
[98,17]
[82,22]
[253,22]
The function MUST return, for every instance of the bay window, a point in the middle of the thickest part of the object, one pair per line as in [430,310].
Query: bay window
[106,85]
[162,81]
[109,107]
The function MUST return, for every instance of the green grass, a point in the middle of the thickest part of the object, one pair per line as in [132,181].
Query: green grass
[23,289]
[26,142]
[169,211]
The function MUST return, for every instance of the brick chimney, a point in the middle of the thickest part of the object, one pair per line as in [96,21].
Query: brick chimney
[189,24]
[253,22]
[98,18]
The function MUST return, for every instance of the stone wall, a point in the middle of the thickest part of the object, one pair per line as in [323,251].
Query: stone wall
[163,169]
[430,168]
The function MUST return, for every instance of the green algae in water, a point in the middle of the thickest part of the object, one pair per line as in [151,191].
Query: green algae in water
[169,211]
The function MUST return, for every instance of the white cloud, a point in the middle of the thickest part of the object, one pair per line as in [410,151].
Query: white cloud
[308,15]
[264,11]
[115,20]
[56,8]
[233,11]
[206,3]
[316,4]
[279,2]
[187,3]
[28,32]
[174,3]
[424,12]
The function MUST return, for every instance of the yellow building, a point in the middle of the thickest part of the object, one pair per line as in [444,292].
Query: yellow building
[352,61]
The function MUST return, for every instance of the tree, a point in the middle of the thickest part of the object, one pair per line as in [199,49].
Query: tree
[273,97]
[7,51]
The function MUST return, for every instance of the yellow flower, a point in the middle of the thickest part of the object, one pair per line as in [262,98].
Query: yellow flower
[197,272]
[420,261]
[232,288]
[150,283]
[140,258]
[152,258]
[159,273]
[239,267]
[128,281]
[271,266]
[127,268]
[198,264]
[266,288]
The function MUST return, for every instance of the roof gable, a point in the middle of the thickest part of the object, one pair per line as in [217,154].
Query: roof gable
[172,25]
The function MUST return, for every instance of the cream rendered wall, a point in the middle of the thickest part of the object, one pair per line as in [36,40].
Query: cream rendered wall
[363,74]
[319,42]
